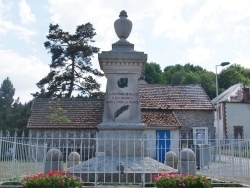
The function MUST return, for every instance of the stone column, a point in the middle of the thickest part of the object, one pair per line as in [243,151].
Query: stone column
[122,114]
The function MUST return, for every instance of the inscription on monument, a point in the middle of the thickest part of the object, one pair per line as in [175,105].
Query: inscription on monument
[122,98]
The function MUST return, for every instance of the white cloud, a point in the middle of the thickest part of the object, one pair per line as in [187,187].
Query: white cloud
[170,22]
[220,37]
[237,10]
[21,32]
[8,26]
[240,31]
[25,13]
[243,59]
[181,19]
[198,54]
[23,72]
[4,8]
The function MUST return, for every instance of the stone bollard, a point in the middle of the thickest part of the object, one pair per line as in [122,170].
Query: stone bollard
[187,164]
[171,159]
[54,160]
[74,159]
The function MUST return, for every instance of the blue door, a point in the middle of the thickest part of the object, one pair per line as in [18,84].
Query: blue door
[162,144]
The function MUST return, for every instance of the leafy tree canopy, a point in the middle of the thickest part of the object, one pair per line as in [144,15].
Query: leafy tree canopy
[184,74]
[153,73]
[71,68]
[232,75]
[190,74]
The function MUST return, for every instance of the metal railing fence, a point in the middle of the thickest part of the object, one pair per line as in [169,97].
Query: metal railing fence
[225,160]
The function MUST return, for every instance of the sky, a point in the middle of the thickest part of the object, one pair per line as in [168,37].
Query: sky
[199,32]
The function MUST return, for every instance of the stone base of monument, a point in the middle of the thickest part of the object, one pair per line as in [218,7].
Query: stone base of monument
[106,169]
[113,178]
[121,142]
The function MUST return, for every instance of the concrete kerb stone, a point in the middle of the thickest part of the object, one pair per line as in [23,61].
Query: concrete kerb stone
[54,160]
[187,163]
[73,159]
[171,159]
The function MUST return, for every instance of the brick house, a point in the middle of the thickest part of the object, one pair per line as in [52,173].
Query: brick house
[189,103]
[166,110]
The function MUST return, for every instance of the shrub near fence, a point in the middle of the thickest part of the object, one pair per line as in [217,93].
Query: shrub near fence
[229,160]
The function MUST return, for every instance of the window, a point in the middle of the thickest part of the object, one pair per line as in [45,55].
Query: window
[219,109]
[238,132]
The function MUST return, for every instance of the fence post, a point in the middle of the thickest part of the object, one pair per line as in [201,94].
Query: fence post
[96,164]
[14,152]
[143,155]
[44,152]
[240,141]
[1,140]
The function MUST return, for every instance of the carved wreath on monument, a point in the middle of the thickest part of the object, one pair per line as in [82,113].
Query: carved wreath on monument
[122,82]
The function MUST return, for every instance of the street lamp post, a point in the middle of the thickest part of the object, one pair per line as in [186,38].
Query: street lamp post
[217,100]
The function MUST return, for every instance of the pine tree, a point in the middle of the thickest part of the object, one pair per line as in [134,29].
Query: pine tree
[71,68]
[7,93]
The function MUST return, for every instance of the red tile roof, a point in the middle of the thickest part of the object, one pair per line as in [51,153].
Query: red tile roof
[184,97]
[156,118]
[77,112]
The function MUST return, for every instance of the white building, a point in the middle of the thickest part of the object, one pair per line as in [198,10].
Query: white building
[234,112]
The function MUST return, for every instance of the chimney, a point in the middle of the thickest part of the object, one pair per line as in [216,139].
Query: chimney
[246,96]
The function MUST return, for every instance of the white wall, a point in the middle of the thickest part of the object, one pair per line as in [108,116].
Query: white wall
[238,114]
[218,132]
[174,144]
[151,143]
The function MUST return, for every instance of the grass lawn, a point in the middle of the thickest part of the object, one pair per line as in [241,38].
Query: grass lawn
[14,170]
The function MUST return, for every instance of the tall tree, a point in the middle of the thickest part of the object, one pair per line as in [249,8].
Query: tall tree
[71,68]
[13,114]
[7,92]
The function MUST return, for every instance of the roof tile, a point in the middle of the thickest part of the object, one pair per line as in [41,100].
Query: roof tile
[155,118]
[183,97]
[77,112]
